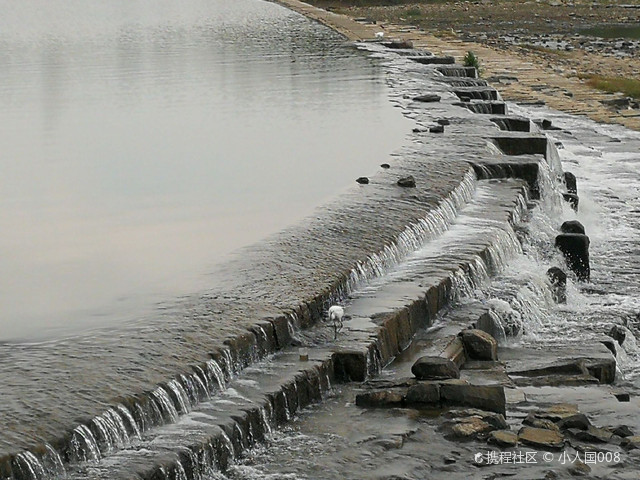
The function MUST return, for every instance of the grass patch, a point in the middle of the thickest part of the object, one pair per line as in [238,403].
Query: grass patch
[413,12]
[630,87]
[547,50]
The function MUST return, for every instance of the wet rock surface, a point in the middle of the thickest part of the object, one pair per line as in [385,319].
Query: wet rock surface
[407,182]
[578,421]
[503,438]
[541,438]
[485,397]
[427,98]
[423,394]
[430,368]
[382,398]
[575,248]
[558,280]
[479,345]
[572,226]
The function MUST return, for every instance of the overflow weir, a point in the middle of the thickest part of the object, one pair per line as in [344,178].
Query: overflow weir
[180,396]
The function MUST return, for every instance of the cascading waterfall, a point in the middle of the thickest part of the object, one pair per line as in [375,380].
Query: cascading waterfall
[500,334]
[241,437]
[453,71]
[266,423]
[196,385]
[53,462]
[414,236]
[533,301]
[110,435]
[181,397]
[179,472]
[228,444]
[84,447]
[504,247]
[230,366]
[374,362]
[550,195]
[522,305]
[29,465]
[287,408]
[131,421]
[117,428]
[216,373]
[168,410]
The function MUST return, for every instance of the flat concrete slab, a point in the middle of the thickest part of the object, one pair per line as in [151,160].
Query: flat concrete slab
[595,360]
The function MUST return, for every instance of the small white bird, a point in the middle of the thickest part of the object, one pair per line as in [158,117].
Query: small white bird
[379,35]
[336,312]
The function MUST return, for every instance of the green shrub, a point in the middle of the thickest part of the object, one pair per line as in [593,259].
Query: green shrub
[470,60]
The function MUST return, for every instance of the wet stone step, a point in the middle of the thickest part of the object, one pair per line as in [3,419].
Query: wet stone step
[208,437]
[476,93]
[271,392]
[486,108]
[457,71]
[434,60]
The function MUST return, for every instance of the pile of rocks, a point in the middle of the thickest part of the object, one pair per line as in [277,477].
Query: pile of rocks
[437,380]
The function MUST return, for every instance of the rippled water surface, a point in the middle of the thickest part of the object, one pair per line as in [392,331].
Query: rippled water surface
[145,140]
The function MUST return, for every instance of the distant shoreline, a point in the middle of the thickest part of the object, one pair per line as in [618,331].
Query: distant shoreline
[522,75]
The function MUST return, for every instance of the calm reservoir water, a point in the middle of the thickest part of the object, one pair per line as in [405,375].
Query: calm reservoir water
[143,141]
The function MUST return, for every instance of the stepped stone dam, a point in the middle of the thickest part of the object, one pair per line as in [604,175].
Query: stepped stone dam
[180,396]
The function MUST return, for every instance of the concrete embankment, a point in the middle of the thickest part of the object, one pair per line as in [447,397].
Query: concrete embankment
[156,373]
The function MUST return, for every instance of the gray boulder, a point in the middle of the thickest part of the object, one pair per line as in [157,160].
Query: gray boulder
[503,438]
[423,393]
[622,431]
[572,226]
[592,434]
[484,397]
[381,398]
[575,248]
[631,443]
[618,333]
[558,281]
[578,421]
[427,98]
[479,345]
[408,181]
[430,368]
[570,182]
[541,438]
